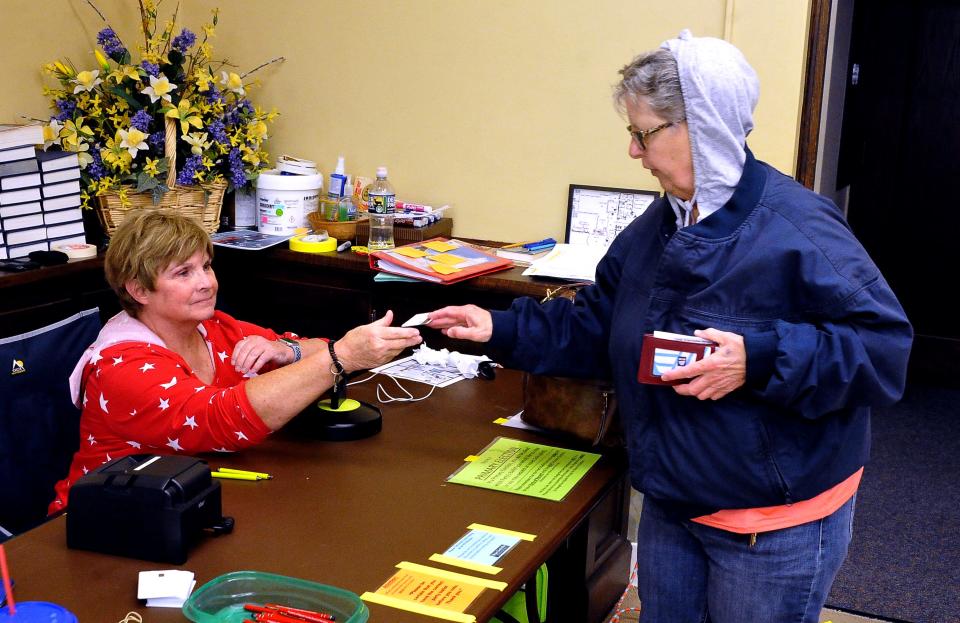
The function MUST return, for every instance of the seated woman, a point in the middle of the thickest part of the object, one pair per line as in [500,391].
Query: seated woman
[171,374]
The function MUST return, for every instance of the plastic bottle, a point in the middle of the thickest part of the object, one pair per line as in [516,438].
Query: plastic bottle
[381,209]
[338,180]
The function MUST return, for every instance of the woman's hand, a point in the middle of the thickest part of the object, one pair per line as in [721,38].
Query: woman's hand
[466,322]
[715,376]
[374,344]
[254,351]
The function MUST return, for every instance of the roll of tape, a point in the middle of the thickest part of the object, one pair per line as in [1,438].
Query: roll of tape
[78,251]
[313,243]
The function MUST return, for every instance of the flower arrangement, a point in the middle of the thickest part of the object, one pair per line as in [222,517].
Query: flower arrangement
[115,116]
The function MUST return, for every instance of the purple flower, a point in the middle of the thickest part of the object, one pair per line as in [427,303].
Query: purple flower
[66,108]
[184,40]
[151,68]
[237,174]
[141,120]
[213,94]
[95,169]
[218,132]
[190,167]
[110,42]
[156,141]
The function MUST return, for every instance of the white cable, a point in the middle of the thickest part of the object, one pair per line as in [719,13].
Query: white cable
[409,397]
[389,398]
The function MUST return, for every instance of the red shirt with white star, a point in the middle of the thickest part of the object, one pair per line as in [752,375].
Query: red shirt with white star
[143,398]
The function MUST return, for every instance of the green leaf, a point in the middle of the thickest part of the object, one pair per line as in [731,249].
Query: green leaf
[158,192]
[116,90]
[146,182]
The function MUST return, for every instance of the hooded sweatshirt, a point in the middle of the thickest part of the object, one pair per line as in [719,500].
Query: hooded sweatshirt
[720,92]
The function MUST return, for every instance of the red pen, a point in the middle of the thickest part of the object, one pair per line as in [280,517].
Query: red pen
[307,615]
[272,616]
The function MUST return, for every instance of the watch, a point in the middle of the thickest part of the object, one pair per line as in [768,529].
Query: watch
[294,346]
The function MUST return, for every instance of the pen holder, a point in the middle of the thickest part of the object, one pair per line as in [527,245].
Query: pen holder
[341,230]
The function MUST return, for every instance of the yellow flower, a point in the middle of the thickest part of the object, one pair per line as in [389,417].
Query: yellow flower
[86,80]
[101,60]
[133,140]
[197,141]
[150,167]
[160,88]
[124,71]
[51,133]
[232,82]
[73,132]
[186,114]
[257,130]
[203,78]
[116,155]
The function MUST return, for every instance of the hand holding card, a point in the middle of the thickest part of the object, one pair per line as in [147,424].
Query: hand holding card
[662,352]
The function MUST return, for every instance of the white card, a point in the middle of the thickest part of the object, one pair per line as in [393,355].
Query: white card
[170,584]
[171,602]
[417,320]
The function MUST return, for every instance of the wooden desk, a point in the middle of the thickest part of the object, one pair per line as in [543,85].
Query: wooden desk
[345,513]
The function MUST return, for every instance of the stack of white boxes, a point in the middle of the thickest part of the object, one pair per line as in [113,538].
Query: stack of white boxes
[39,200]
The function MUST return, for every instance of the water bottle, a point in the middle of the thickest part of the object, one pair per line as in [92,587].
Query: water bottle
[382,206]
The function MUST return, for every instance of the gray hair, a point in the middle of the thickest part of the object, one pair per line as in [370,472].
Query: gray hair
[653,77]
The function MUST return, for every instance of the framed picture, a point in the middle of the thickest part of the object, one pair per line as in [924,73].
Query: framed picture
[596,214]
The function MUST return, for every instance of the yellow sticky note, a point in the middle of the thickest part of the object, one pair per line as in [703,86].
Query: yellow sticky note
[472,457]
[501,420]
[448,258]
[410,252]
[439,245]
[443,269]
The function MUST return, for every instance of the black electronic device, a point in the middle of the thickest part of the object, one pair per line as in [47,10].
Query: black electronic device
[152,507]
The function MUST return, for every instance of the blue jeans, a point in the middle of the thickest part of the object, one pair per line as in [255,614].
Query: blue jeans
[691,573]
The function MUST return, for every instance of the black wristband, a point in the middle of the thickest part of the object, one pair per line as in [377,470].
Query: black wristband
[336,367]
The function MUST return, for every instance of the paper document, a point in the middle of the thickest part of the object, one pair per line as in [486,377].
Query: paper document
[526,468]
[568,261]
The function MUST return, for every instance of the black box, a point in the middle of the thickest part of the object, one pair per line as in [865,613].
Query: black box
[151,507]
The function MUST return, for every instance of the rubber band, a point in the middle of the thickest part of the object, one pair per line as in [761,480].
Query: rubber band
[132,617]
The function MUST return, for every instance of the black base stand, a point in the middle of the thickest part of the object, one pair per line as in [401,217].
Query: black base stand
[351,420]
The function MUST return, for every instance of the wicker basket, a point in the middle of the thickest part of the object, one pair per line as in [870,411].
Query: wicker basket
[202,204]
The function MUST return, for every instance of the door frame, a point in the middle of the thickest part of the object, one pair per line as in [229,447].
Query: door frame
[818,39]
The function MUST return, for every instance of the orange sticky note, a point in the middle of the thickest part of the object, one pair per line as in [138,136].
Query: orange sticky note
[439,245]
[448,259]
[410,252]
[443,269]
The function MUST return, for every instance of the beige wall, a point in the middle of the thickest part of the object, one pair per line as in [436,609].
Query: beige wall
[494,106]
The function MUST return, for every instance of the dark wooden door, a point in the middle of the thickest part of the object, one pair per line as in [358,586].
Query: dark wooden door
[900,151]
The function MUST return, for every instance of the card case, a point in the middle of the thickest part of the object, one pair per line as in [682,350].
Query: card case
[662,352]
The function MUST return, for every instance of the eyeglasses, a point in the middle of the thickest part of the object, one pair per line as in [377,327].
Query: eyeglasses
[640,135]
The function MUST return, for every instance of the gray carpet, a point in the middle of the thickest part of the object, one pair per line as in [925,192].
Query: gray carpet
[904,560]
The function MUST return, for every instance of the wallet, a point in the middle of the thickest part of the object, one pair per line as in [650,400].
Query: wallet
[662,352]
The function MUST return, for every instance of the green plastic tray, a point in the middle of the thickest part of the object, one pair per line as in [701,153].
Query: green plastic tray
[221,600]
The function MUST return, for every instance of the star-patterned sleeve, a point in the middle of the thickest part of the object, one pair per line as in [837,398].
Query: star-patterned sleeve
[146,395]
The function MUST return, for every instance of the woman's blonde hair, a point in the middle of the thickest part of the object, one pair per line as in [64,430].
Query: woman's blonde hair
[146,243]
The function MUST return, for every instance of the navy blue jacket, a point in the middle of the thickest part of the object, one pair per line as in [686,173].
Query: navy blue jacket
[826,340]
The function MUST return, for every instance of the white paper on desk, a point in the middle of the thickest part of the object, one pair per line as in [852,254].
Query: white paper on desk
[516,421]
[165,588]
[568,261]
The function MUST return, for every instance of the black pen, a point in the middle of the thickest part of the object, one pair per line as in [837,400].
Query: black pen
[344,246]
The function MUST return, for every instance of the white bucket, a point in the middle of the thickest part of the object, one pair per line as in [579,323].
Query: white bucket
[283,201]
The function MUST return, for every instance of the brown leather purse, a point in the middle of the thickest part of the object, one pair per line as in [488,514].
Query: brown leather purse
[581,409]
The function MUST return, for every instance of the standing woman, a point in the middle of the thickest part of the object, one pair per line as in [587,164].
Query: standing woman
[750,467]
[172,375]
